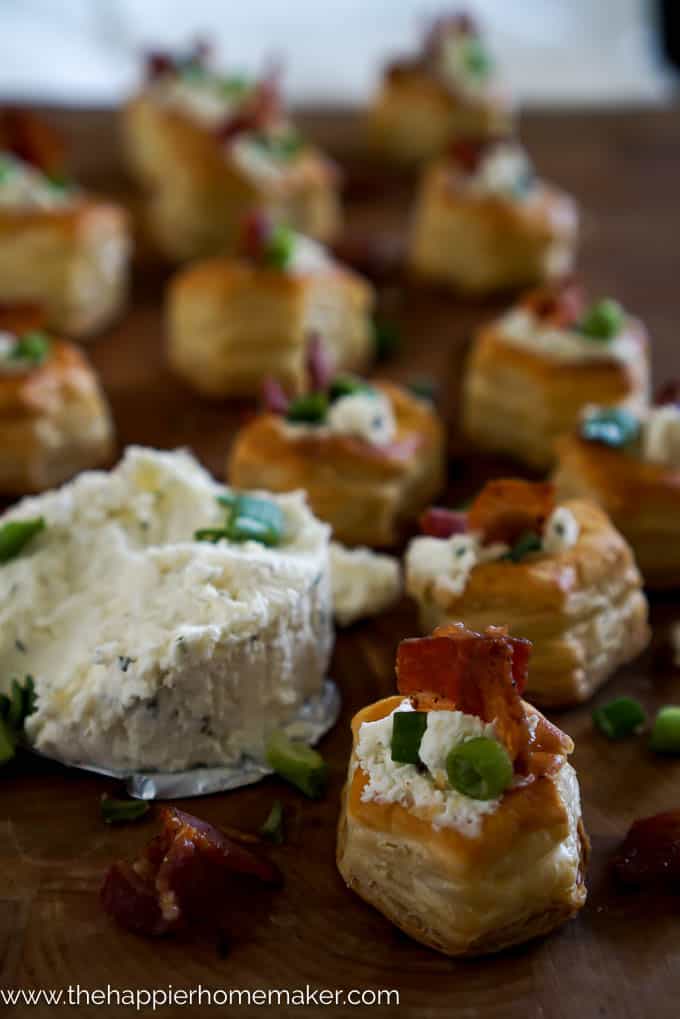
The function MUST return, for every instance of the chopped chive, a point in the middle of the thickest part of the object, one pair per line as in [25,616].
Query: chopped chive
[7,742]
[526,544]
[408,728]
[299,764]
[614,427]
[386,339]
[665,737]
[619,718]
[123,811]
[255,519]
[33,346]
[273,828]
[15,534]
[603,320]
[480,768]
[311,408]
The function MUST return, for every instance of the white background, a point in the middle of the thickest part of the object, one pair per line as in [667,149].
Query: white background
[551,51]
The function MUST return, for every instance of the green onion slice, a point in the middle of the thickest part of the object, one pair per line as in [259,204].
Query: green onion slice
[525,545]
[615,427]
[408,728]
[603,320]
[280,247]
[665,738]
[33,346]
[311,408]
[15,534]
[249,518]
[480,768]
[299,764]
[123,811]
[619,718]
[273,828]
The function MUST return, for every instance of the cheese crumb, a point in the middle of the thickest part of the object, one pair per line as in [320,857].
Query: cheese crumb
[363,582]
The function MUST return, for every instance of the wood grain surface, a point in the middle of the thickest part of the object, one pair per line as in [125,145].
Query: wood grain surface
[620,958]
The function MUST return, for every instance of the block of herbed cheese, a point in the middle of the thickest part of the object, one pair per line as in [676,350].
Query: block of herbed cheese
[153,649]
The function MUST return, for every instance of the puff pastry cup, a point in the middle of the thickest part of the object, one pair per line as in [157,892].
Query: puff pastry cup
[449,90]
[370,462]
[630,466]
[462,874]
[484,222]
[206,148]
[531,373]
[234,321]
[59,247]
[559,574]
[54,419]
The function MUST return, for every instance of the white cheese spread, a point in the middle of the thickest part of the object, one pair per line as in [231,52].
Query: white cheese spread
[363,582]
[425,792]
[367,416]
[520,328]
[661,435]
[150,649]
[503,170]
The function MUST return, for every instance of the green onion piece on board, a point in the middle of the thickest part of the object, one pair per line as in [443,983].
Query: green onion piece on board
[480,768]
[123,811]
[408,728]
[615,427]
[665,737]
[526,544]
[273,828]
[299,764]
[619,718]
[311,409]
[7,742]
[15,534]
[603,320]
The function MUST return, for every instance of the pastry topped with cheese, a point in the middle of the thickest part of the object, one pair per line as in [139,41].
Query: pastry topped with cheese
[450,89]
[485,221]
[60,248]
[369,455]
[556,572]
[629,463]
[54,418]
[208,147]
[167,622]
[461,817]
[235,320]
[531,372]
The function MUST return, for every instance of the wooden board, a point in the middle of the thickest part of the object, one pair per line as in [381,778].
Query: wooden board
[620,958]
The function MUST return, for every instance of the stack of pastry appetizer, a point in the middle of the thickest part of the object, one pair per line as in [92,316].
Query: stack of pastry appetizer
[208,147]
[461,817]
[59,247]
[450,89]
[232,321]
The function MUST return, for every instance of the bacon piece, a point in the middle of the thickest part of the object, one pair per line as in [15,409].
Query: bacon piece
[274,397]
[31,139]
[320,366]
[650,853]
[560,305]
[184,872]
[438,522]
[669,392]
[476,672]
[506,509]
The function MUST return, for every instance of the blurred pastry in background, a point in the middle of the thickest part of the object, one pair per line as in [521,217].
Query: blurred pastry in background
[234,321]
[555,571]
[448,91]
[531,372]
[207,147]
[59,246]
[54,419]
[461,816]
[485,222]
[629,463]
[370,456]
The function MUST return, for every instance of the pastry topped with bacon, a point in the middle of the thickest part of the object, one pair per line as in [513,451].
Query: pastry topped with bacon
[208,146]
[556,573]
[628,462]
[532,372]
[370,456]
[54,419]
[448,90]
[461,817]
[484,221]
[234,321]
[59,247]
